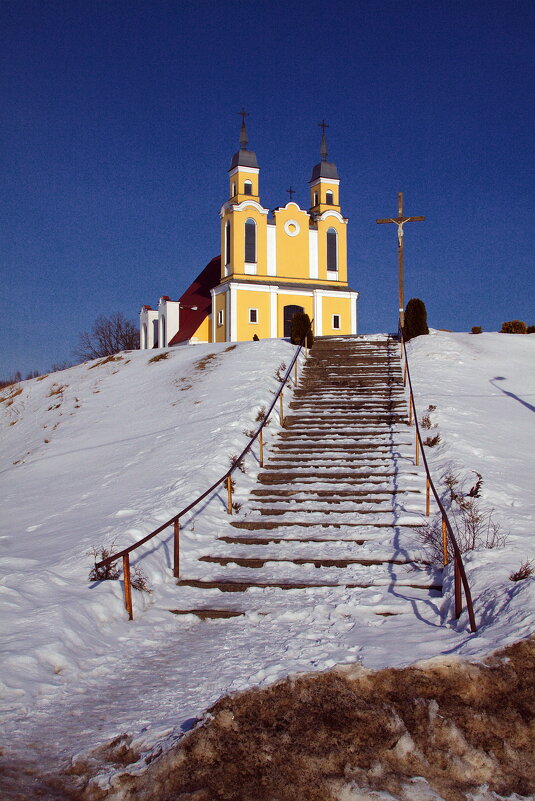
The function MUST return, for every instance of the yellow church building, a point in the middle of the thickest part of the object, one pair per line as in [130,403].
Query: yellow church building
[272,265]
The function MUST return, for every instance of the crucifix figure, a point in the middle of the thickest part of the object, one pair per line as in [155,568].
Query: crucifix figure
[400,221]
[291,192]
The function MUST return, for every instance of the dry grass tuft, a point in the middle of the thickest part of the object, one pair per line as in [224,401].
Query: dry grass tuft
[105,361]
[459,725]
[12,393]
[202,364]
[56,389]
[230,347]
[526,570]
[159,357]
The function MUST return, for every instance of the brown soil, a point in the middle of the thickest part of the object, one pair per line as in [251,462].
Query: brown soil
[460,725]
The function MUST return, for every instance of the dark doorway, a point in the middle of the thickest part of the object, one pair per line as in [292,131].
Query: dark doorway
[289,312]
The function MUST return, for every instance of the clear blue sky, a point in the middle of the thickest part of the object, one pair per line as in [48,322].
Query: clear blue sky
[119,118]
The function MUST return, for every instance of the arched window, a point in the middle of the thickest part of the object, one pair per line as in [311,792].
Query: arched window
[227,242]
[164,334]
[329,197]
[332,249]
[315,198]
[144,343]
[247,188]
[250,241]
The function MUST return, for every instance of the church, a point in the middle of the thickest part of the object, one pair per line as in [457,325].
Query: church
[273,264]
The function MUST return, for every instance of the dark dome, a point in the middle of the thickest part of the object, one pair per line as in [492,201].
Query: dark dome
[325,169]
[244,158]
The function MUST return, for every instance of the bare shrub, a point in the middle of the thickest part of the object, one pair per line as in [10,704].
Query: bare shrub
[425,422]
[239,463]
[281,369]
[476,329]
[139,580]
[473,526]
[261,414]
[526,570]
[109,335]
[236,506]
[109,572]
[432,441]
[159,357]
[431,407]
[514,327]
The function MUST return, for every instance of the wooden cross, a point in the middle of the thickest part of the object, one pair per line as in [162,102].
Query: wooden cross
[323,125]
[400,221]
[291,192]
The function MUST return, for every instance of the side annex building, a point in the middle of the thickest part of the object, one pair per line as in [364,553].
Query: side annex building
[272,265]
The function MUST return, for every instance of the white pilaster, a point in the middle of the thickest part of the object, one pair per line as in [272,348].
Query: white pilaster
[233,314]
[313,250]
[318,313]
[273,311]
[271,250]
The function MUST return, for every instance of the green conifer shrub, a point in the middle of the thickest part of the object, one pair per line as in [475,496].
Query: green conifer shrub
[514,327]
[300,324]
[415,319]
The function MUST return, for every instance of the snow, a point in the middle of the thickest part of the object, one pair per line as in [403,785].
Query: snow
[102,453]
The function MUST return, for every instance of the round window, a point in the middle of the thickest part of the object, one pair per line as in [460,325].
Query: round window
[291,227]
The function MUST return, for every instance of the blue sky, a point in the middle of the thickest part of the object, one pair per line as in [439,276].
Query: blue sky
[119,118]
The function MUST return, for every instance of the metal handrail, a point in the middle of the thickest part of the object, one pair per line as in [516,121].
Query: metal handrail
[174,521]
[459,571]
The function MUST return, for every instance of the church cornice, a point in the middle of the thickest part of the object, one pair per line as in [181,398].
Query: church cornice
[230,206]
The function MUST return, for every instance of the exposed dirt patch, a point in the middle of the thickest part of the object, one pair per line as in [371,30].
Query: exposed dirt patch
[159,357]
[459,725]
[105,361]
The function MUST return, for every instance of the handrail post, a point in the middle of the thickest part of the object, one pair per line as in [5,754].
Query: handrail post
[295,373]
[127,586]
[405,374]
[261,444]
[417,449]
[176,548]
[410,410]
[427,497]
[229,495]
[445,558]
[281,412]
[457,584]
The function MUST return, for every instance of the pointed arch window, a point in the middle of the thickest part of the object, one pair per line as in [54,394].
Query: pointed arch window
[227,243]
[250,241]
[247,188]
[332,250]
[329,197]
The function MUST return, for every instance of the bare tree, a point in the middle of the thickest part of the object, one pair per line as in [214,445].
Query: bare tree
[109,335]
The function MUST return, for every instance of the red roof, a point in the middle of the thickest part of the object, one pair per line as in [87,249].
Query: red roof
[197,294]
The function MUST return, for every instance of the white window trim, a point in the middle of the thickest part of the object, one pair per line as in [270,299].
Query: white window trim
[253,322]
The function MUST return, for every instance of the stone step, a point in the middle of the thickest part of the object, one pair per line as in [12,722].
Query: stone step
[209,614]
[256,563]
[259,525]
[332,493]
[243,586]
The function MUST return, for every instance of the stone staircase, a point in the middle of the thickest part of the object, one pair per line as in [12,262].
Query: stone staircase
[337,502]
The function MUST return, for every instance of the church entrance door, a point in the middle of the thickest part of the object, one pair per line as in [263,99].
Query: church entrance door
[289,312]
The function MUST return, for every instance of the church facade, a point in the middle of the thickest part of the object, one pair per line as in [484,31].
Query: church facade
[272,265]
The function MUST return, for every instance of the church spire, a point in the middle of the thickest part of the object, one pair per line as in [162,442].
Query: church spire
[244,141]
[323,149]
[244,157]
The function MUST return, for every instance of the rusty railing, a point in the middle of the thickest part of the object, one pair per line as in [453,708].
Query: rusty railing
[226,480]
[459,574]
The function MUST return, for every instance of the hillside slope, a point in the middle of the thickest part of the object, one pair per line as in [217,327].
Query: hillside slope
[106,451]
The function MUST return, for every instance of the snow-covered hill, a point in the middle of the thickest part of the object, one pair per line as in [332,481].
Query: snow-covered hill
[102,453]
